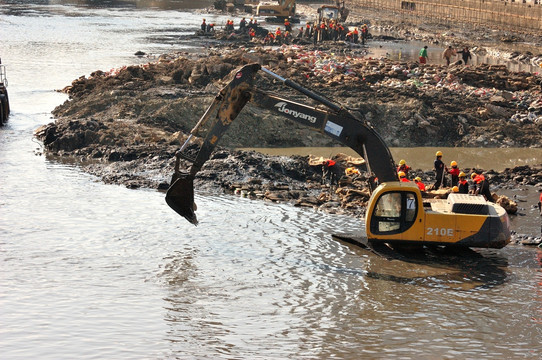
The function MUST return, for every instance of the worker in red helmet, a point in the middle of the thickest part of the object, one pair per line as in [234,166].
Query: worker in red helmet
[330,170]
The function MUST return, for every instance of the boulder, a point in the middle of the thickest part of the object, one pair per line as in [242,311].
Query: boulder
[510,206]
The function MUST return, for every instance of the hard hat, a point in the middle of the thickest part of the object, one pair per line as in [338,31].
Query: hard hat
[473,175]
[453,163]
[417,178]
[402,162]
[462,174]
[439,153]
[455,189]
[401,174]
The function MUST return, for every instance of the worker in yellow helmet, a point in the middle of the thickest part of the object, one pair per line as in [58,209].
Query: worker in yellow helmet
[402,177]
[463,184]
[439,171]
[454,172]
[351,171]
[419,183]
[403,167]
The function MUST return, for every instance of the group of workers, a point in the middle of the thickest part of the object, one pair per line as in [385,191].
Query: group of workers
[458,179]
[479,184]
[244,26]
[318,32]
[207,27]
[447,55]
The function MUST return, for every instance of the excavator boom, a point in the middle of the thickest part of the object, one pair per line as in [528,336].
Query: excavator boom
[331,120]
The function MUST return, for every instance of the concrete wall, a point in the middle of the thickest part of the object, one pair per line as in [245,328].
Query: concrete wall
[508,15]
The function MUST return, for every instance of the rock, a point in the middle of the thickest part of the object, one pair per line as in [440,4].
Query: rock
[510,206]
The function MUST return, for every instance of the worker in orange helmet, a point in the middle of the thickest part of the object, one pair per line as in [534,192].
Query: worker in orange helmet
[419,183]
[482,186]
[402,177]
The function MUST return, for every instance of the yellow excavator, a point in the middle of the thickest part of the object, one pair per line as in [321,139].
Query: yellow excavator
[337,12]
[277,10]
[397,215]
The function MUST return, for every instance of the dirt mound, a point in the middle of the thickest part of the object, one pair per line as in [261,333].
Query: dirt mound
[408,104]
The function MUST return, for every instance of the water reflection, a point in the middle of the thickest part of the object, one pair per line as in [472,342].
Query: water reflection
[408,51]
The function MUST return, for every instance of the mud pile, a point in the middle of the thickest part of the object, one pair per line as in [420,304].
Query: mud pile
[410,105]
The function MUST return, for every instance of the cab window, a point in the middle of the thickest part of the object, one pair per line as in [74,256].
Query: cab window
[394,213]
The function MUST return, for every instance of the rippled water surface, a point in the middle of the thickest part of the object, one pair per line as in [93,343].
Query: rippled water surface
[94,271]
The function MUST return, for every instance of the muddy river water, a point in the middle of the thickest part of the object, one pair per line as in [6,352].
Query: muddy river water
[94,271]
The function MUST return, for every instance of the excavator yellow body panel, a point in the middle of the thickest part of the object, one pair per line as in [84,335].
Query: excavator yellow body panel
[397,214]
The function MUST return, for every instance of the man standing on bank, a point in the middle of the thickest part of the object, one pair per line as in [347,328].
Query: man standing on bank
[423,55]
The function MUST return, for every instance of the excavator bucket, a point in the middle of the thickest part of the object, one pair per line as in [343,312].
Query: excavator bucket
[180,197]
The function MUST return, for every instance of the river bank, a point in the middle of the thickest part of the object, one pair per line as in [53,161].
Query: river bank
[126,125]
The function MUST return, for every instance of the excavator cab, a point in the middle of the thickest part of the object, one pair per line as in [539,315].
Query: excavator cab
[394,213]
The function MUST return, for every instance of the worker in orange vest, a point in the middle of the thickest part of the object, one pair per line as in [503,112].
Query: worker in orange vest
[403,167]
[402,177]
[356,35]
[278,34]
[287,25]
[454,172]
[419,183]
[482,186]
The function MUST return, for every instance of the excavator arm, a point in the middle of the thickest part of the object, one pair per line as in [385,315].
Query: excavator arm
[332,120]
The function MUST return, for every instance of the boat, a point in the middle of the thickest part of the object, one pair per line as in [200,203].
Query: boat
[4,99]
